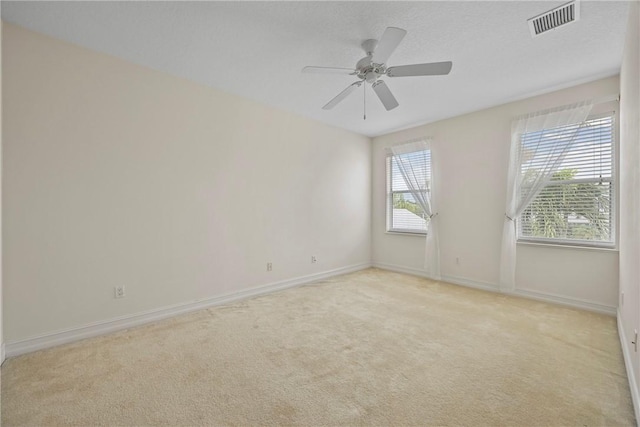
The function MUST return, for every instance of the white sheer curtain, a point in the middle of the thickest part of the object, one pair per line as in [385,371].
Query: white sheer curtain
[422,189]
[520,196]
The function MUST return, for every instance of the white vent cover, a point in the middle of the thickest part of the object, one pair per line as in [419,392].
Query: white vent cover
[554,18]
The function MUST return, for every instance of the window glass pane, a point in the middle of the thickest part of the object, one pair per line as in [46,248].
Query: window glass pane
[580,211]
[407,213]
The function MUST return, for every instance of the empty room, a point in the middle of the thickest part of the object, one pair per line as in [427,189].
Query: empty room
[320,213]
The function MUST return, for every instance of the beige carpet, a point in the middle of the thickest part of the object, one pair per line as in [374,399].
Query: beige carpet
[369,348]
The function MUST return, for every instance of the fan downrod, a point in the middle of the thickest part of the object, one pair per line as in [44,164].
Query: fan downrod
[369,46]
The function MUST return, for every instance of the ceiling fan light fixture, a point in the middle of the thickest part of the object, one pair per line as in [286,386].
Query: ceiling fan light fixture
[371,76]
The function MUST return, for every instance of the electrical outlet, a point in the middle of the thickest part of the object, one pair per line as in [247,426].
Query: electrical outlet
[313,259]
[269,266]
[118,292]
[457,261]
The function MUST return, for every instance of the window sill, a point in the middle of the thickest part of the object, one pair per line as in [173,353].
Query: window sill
[405,233]
[567,246]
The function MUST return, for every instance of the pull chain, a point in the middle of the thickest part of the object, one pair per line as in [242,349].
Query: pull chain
[364,100]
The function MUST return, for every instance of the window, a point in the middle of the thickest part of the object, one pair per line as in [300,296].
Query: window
[576,206]
[404,212]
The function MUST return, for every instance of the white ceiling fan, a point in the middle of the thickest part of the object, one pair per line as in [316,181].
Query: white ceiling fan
[373,66]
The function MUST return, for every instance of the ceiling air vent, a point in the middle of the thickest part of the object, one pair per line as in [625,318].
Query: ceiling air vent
[554,18]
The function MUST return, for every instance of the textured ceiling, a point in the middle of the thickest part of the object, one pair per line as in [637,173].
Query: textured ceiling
[257,49]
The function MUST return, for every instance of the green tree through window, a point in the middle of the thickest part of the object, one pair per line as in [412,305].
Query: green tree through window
[570,211]
[399,202]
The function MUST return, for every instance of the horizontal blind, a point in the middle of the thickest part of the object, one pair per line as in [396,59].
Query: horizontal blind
[577,203]
[590,154]
[405,212]
[420,163]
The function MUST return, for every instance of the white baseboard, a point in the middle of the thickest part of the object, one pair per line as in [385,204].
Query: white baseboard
[401,269]
[449,279]
[493,287]
[463,281]
[17,348]
[567,301]
[633,385]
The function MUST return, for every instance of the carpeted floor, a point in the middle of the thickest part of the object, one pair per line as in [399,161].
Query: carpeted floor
[369,348]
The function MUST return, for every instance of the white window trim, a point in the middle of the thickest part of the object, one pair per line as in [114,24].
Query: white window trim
[604,110]
[389,204]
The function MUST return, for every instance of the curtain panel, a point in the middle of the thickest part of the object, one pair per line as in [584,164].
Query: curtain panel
[422,190]
[519,196]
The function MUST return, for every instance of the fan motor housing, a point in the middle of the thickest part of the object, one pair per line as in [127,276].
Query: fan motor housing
[367,70]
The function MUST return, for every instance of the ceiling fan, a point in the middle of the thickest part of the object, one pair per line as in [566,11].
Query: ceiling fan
[373,66]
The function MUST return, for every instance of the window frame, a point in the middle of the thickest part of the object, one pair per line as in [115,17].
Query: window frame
[389,200]
[609,110]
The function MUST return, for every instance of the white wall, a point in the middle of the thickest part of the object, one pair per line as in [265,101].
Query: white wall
[470,157]
[115,174]
[629,311]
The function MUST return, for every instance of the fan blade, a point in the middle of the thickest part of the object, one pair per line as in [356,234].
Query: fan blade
[328,70]
[431,69]
[382,90]
[390,40]
[342,95]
